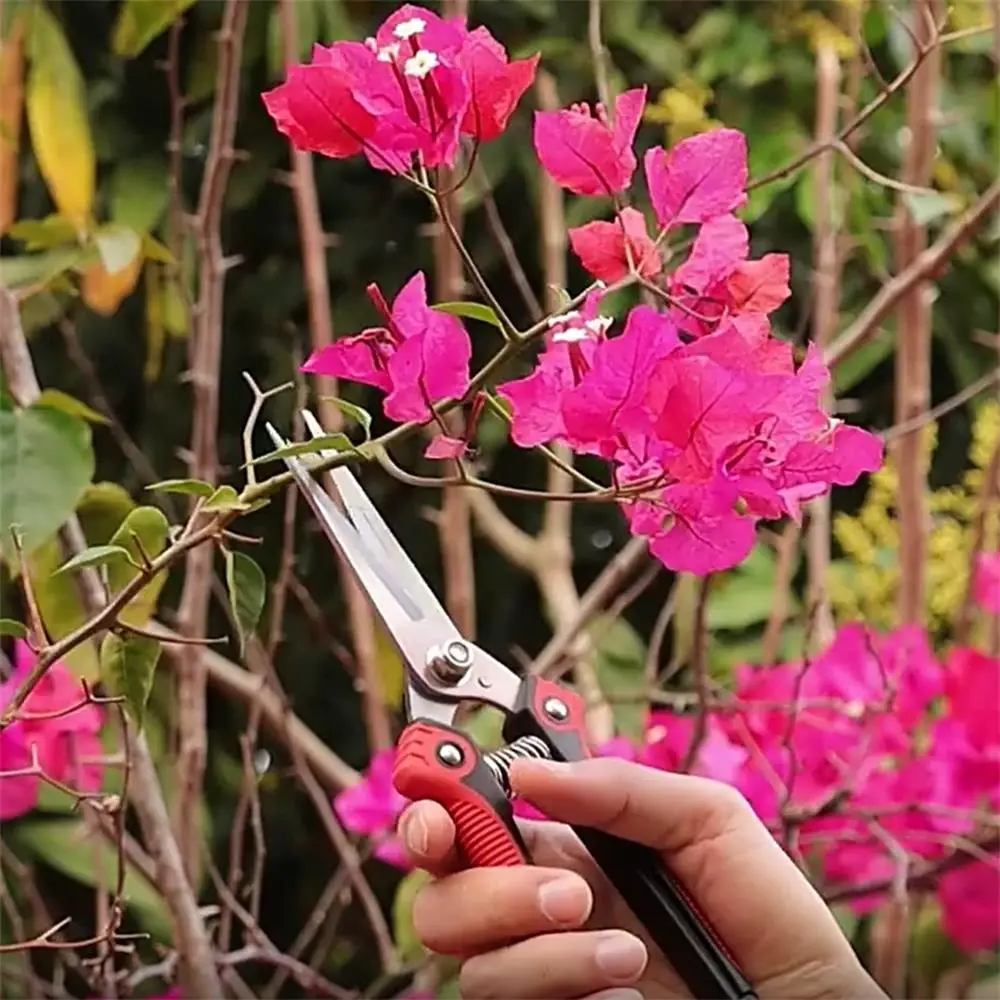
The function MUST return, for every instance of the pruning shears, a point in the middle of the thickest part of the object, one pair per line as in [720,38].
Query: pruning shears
[544,720]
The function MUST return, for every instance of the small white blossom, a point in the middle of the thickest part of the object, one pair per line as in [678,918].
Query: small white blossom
[371,43]
[562,318]
[572,335]
[421,63]
[389,53]
[599,325]
[407,29]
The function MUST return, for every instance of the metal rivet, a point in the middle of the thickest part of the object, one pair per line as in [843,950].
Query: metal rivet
[450,754]
[451,663]
[556,709]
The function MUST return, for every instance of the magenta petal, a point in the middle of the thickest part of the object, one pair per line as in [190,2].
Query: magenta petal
[698,179]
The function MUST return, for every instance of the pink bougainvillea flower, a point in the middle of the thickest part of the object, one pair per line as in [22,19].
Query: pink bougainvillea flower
[584,152]
[536,399]
[702,533]
[972,685]
[317,111]
[410,91]
[372,807]
[669,738]
[443,446]
[720,246]
[495,85]
[605,248]
[699,179]
[970,905]
[18,792]
[57,721]
[608,398]
[986,582]
[420,357]
[759,286]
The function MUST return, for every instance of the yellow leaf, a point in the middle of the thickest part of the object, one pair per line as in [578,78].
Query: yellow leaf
[104,292]
[11,106]
[823,33]
[58,122]
[391,675]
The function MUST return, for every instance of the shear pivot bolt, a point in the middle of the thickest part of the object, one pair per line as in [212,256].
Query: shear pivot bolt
[450,755]
[556,709]
[451,662]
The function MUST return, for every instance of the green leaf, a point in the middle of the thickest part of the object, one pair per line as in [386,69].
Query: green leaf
[118,246]
[140,21]
[56,399]
[224,498]
[46,462]
[745,596]
[408,945]
[43,234]
[390,669]
[326,442]
[83,854]
[96,555]
[619,661]
[485,727]
[471,310]
[40,268]
[247,589]
[101,510]
[931,206]
[139,193]
[128,665]
[144,532]
[190,487]
[10,627]
[353,412]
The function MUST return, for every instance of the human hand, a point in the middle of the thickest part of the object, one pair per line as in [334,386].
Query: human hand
[558,929]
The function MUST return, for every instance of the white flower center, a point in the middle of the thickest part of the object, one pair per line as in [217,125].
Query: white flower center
[420,63]
[572,335]
[389,53]
[563,318]
[407,29]
[599,324]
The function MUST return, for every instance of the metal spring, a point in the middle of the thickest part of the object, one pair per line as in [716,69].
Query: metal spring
[500,761]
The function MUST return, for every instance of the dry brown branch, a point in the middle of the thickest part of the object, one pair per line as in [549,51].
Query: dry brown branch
[146,794]
[549,555]
[913,323]
[204,359]
[787,546]
[239,683]
[321,333]
[927,265]
[826,308]
[454,522]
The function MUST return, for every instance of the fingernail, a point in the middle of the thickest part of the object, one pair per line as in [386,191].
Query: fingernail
[564,901]
[621,957]
[416,834]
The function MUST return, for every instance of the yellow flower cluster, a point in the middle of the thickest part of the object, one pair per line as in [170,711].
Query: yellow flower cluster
[863,583]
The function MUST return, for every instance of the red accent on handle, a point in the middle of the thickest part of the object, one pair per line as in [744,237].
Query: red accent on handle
[418,773]
[576,719]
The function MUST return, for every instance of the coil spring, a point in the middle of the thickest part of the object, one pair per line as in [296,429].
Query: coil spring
[500,761]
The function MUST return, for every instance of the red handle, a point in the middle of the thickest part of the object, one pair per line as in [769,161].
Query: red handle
[443,765]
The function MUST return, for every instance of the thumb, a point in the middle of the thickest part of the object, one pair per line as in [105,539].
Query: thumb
[748,888]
